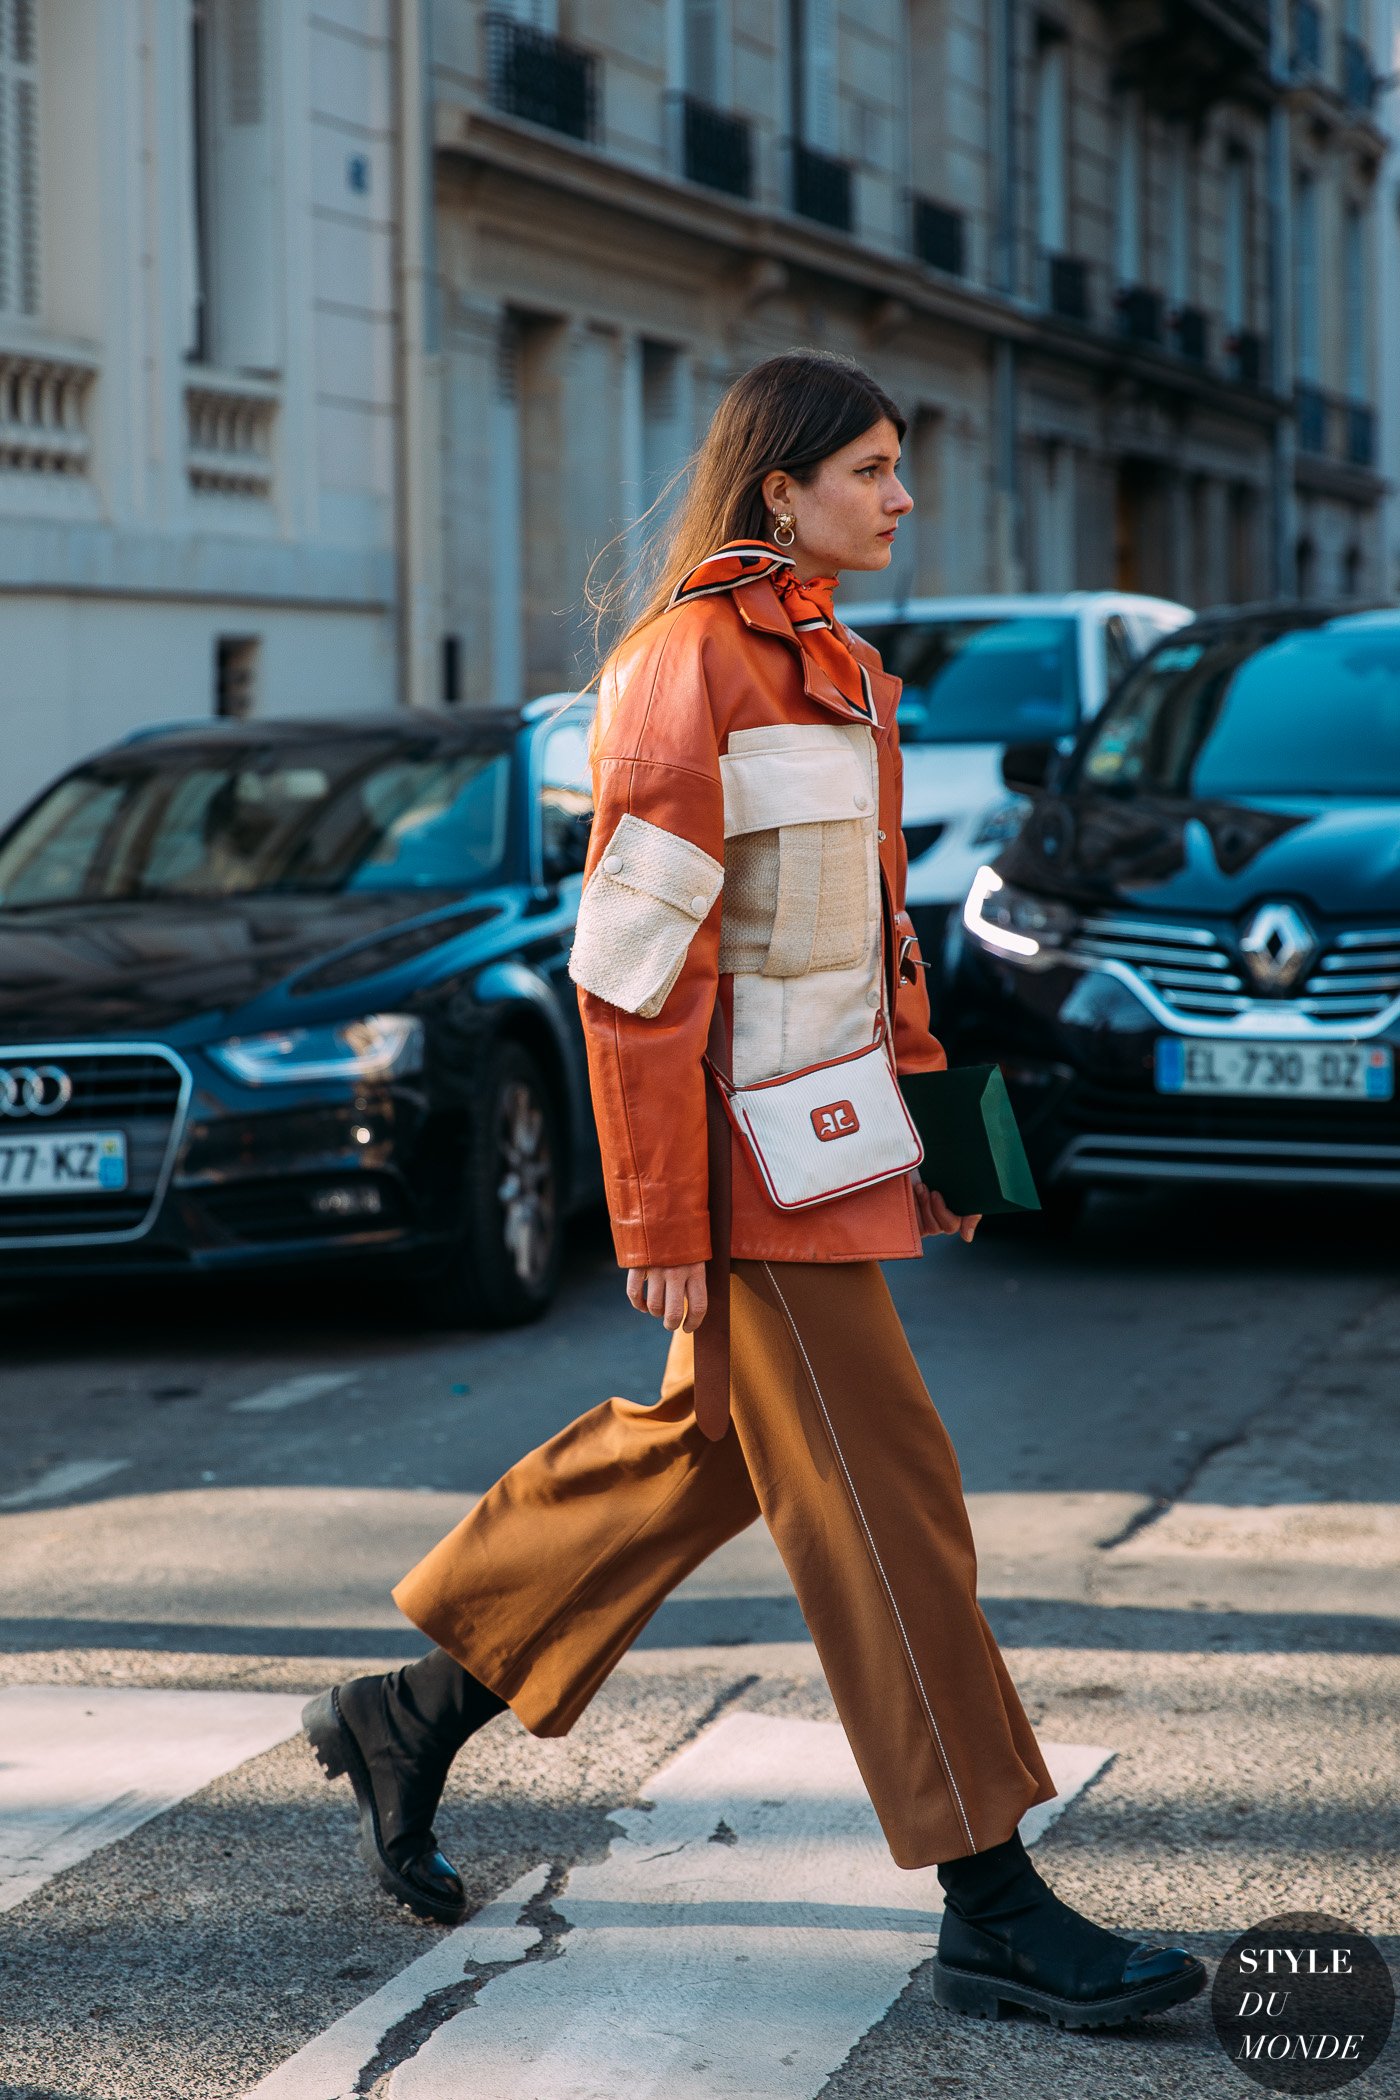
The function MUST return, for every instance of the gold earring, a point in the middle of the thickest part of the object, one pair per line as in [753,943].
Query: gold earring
[786,523]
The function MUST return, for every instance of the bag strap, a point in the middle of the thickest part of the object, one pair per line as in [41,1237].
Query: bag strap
[712,1335]
[725,1082]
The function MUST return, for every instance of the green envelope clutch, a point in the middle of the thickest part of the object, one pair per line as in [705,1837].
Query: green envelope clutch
[973,1153]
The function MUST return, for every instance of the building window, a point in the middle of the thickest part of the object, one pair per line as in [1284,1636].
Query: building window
[1307,321]
[1242,520]
[236,675]
[1052,229]
[703,36]
[1305,566]
[19,159]
[812,55]
[1179,216]
[1235,290]
[1354,302]
[451,669]
[234,307]
[1127,223]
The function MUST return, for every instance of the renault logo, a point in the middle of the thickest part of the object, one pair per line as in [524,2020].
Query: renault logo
[34,1090]
[1278,945]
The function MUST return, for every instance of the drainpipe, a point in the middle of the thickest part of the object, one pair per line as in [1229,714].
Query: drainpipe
[417,548]
[1007,569]
[1280,220]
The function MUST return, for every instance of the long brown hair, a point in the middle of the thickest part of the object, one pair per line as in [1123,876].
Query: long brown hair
[790,412]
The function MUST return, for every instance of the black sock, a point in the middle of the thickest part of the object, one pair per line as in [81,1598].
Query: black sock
[980,1878]
[435,1703]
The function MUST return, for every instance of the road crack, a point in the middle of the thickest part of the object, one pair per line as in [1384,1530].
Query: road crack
[415,2030]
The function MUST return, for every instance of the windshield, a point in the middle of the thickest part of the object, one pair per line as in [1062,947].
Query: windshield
[1315,712]
[990,681]
[321,816]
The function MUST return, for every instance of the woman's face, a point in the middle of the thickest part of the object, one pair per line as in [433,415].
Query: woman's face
[846,516]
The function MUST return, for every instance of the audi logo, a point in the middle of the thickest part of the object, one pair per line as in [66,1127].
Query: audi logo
[34,1090]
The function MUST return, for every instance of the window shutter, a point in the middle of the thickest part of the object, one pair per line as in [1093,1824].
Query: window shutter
[241,167]
[19,160]
[26,197]
[245,62]
[702,49]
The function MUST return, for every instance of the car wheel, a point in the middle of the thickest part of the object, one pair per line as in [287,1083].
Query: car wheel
[504,1265]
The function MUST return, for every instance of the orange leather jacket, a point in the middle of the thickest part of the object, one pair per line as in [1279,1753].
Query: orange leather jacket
[746,845]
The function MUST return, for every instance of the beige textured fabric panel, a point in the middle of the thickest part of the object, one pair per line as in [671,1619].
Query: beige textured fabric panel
[799,893]
[795,774]
[796,899]
[847,904]
[638,915]
[750,900]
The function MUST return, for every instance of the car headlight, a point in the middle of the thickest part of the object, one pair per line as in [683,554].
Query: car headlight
[1001,822]
[378,1046]
[1012,923]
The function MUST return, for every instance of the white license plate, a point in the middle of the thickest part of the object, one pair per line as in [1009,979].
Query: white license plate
[45,1164]
[1298,1071]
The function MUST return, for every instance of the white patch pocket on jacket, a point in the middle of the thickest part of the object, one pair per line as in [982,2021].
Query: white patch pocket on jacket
[639,913]
[799,804]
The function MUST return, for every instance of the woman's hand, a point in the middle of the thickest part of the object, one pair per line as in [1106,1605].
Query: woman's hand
[935,1216]
[677,1297]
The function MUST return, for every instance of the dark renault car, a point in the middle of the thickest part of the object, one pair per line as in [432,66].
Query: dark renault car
[1188,963]
[285,991]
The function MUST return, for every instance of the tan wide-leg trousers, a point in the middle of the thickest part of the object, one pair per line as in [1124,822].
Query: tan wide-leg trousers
[835,1442]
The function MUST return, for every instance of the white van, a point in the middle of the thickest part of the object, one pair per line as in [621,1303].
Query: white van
[979,674]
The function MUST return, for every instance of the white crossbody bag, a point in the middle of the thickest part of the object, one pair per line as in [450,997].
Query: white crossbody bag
[827,1130]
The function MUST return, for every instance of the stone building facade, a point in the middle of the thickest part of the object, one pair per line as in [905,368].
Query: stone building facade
[1109,255]
[198,405]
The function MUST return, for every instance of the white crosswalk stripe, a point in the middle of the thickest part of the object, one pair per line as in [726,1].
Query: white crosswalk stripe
[67,1479]
[291,1392]
[746,1927]
[81,1766]
[740,1936]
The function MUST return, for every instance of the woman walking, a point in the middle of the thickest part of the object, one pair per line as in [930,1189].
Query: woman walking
[743,904]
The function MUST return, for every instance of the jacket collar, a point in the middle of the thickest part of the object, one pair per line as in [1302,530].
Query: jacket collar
[761,609]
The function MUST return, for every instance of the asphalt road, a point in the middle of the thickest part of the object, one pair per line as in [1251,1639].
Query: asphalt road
[214,1488]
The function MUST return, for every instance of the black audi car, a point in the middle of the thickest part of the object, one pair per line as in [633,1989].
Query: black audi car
[1188,962]
[278,992]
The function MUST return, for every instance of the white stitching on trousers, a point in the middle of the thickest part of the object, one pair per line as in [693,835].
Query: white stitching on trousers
[874,1551]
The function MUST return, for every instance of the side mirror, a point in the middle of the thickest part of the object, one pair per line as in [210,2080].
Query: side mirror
[566,836]
[1024,767]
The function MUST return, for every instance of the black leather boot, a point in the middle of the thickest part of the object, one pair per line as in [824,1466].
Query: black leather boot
[394,1737]
[1006,1938]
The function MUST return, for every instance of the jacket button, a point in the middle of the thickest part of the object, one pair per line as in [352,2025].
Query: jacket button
[872,998]
[613,864]
[881,836]
[862,802]
[699,906]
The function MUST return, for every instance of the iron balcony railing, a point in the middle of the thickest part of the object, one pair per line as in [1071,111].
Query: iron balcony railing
[1139,311]
[714,146]
[822,187]
[1192,334]
[939,236]
[1307,37]
[541,77]
[1329,426]
[1245,351]
[1360,434]
[1310,417]
[1067,287]
[1358,74]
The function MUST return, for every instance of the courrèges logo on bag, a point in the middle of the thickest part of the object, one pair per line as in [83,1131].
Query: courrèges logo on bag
[837,1119]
